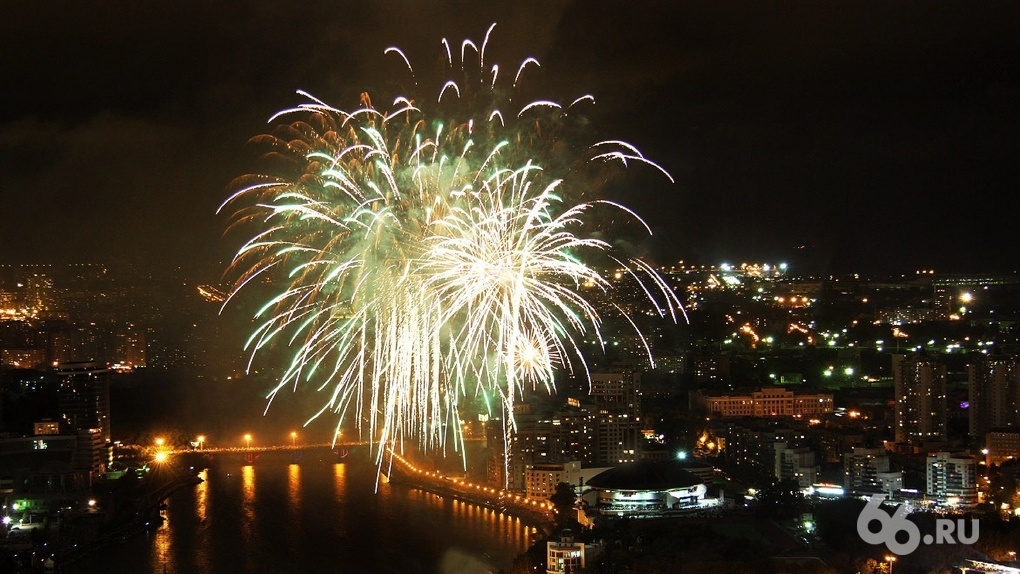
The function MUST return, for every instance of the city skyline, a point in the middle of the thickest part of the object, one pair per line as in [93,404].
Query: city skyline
[843,138]
[782,396]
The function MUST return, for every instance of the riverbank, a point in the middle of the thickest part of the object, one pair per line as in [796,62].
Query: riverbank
[537,513]
[147,517]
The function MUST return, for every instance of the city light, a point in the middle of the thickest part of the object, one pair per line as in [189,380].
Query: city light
[247,441]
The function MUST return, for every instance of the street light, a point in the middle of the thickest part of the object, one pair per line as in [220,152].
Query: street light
[890,560]
[293,438]
[247,440]
[201,441]
[160,441]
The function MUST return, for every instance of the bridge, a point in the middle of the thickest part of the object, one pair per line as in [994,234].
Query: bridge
[271,448]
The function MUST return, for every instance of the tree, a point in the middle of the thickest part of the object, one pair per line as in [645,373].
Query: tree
[781,500]
[563,501]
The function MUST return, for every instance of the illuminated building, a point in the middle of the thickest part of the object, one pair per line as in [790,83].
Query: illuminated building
[616,400]
[920,386]
[866,471]
[129,346]
[833,443]
[46,428]
[22,358]
[994,394]
[40,473]
[566,555]
[541,480]
[712,369]
[650,489]
[603,431]
[569,435]
[1002,445]
[767,402]
[795,463]
[952,479]
[750,447]
[83,402]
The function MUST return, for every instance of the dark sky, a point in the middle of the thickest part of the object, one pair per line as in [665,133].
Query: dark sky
[841,136]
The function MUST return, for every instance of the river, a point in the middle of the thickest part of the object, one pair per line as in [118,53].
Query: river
[313,516]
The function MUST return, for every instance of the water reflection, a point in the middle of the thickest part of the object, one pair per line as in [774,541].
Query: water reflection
[482,520]
[294,489]
[339,479]
[248,483]
[202,496]
[248,530]
[162,545]
[282,517]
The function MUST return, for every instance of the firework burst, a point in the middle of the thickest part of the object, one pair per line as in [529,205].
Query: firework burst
[426,253]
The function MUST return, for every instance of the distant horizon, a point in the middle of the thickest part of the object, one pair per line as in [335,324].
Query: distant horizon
[793,271]
[849,137]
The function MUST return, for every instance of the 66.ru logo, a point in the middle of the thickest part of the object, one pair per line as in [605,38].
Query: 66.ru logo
[890,526]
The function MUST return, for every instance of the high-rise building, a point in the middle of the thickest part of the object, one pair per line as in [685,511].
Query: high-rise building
[994,393]
[751,447]
[795,463]
[1001,446]
[920,384]
[952,479]
[864,469]
[83,402]
[616,399]
[129,345]
[603,430]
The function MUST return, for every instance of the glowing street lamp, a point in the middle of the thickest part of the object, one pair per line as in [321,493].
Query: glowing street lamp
[160,441]
[890,560]
[293,439]
[201,441]
[247,440]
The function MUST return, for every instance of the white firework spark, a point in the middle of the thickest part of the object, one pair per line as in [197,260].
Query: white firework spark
[426,255]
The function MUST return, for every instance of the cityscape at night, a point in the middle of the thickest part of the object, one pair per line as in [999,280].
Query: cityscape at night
[544,287]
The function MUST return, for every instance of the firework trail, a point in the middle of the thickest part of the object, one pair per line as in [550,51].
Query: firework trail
[428,251]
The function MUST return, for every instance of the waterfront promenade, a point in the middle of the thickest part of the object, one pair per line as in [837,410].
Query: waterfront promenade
[539,513]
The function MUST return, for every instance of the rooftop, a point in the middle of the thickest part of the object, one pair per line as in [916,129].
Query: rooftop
[645,475]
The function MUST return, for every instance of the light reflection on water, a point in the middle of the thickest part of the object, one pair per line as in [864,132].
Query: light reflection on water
[294,490]
[162,545]
[202,495]
[314,516]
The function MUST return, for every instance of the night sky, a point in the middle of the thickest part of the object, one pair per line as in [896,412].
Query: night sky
[852,136]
